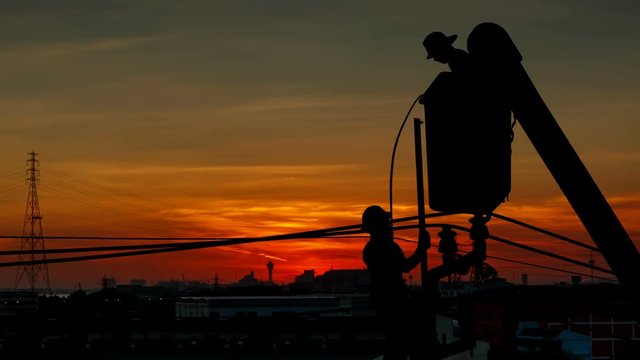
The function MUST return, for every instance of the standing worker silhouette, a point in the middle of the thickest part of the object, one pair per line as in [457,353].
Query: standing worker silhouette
[386,263]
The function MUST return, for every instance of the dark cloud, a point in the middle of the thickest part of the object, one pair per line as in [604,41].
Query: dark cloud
[594,20]
[59,6]
[36,22]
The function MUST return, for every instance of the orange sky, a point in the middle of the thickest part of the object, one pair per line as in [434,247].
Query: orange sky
[221,119]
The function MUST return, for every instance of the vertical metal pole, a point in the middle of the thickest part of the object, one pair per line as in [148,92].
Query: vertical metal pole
[429,288]
[422,235]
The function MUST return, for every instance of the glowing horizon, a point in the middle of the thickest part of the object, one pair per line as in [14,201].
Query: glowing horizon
[241,119]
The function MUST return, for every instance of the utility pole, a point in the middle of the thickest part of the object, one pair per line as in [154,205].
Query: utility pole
[423,235]
[32,239]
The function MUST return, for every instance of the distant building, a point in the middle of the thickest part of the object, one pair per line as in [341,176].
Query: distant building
[263,306]
[455,289]
[15,303]
[180,286]
[248,280]
[191,309]
[535,338]
[343,281]
[108,282]
[557,319]
[144,292]
[576,280]
[138,282]
[449,333]
[346,281]
[306,277]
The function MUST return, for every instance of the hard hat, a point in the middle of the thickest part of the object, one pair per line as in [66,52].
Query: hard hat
[374,214]
[437,40]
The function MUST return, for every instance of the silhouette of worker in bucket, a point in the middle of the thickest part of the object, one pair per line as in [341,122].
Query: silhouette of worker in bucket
[468,126]
[440,48]
[389,295]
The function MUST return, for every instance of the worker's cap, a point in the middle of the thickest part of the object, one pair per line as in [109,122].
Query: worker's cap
[437,40]
[374,214]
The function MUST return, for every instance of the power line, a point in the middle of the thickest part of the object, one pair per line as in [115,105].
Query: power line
[544,267]
[11,189]
[105,204]
[179,247]
[106,196]
[525,247]
[152,246]
[348,227]
[345,230]
[99,248]
[547,232]
[110,191]
[111,199]
[13,173]
[325,233]
[342,231]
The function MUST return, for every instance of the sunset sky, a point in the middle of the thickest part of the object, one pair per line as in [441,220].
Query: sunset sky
[249,118]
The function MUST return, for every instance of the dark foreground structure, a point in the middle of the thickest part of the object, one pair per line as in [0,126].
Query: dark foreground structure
[501,321]
[111,324]
[242,338]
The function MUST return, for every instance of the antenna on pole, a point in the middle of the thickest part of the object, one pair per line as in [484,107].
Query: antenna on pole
[32,239]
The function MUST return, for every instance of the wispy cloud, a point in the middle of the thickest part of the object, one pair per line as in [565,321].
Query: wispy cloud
[616,156]
[310,102]
[237,218]
[48,50]
[249,252]
[229,169]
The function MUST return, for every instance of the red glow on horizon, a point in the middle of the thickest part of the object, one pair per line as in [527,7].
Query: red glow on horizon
[293,257]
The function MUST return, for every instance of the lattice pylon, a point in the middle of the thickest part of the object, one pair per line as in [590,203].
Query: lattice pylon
[32,237]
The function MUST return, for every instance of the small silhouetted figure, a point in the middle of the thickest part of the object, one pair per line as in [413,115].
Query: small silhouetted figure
[440,48]
[386,263]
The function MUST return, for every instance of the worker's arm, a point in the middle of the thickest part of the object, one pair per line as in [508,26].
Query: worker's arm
[416,258]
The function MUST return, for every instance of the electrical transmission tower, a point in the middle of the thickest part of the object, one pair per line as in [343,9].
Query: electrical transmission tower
[32,234]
